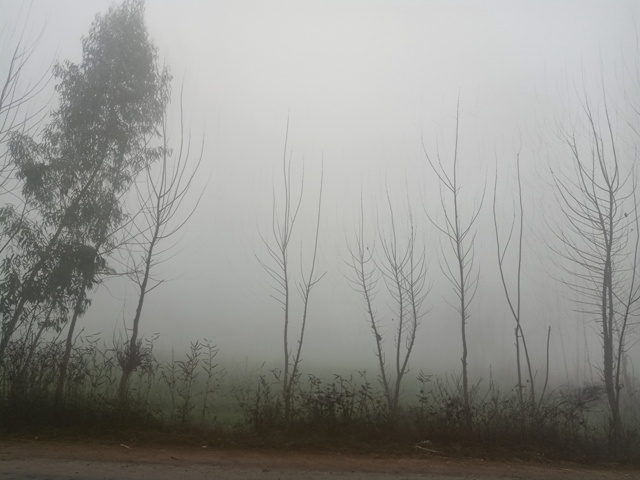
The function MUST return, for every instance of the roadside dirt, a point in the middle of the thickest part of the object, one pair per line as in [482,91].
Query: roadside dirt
[51,460]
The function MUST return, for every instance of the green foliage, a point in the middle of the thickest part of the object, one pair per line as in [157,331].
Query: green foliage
[74,174]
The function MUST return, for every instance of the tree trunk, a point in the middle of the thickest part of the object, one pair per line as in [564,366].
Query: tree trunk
[68,345]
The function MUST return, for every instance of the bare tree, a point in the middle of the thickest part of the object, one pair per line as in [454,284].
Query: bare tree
[404,272]
[161,200]
[461,238]
[514,298]
[601,240]
[16,94]
[279,269]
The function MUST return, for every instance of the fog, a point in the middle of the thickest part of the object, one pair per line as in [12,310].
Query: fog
[364,86]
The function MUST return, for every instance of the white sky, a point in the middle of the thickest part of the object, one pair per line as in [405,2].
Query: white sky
[362,82]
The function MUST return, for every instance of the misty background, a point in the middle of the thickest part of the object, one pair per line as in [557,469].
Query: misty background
[364,86]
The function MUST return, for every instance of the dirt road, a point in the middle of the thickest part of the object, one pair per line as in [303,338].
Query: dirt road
[61,461]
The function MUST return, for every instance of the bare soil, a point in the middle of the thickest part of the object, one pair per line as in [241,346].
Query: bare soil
[41,460]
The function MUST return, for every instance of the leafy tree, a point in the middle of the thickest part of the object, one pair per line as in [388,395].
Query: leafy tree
[74,176]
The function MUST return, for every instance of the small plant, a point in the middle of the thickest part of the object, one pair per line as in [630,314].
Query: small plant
[344,408]
[213,377]
[188,373]
[169,377]
[262,406]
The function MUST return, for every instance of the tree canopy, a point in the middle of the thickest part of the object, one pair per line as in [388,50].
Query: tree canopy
[75,173]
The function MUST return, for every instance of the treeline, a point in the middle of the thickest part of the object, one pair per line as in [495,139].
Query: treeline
[94,190]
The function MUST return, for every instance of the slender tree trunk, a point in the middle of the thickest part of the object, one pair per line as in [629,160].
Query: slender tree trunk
[457,235]
[64,366]
[286,384]
[463,301]
[132,354]
[365,283]
[306,286]
[520,399]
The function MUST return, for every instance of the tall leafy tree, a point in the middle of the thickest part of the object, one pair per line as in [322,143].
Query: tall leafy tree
[74,176]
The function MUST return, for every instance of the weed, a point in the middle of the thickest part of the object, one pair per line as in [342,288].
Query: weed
[195,392]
